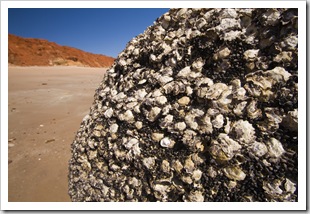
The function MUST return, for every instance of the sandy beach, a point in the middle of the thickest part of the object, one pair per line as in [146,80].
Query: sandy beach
[46,107]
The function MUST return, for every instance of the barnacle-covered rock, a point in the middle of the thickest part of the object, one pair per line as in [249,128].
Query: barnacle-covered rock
[202,106]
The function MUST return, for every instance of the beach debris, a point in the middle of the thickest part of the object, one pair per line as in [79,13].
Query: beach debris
[50,140]
[12,139]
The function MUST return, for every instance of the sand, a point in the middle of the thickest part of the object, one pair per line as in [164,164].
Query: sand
[46,107]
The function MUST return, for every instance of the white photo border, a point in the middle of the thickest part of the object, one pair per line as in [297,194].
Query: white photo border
[300,205]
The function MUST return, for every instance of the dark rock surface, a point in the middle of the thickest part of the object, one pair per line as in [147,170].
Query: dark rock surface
[200,107]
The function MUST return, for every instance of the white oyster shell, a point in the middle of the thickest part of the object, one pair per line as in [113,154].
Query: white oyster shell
[180,126]
[167,142]
[113,128]
[149,162]
[218,121]
[243,132]
[251,55]
[259,149]
[108,113]
[272,188]
[152,115]
[289,186]
[275,148]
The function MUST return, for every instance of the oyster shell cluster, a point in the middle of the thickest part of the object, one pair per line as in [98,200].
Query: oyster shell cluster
[202,106]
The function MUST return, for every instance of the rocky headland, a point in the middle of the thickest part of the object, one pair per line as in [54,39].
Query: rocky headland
[40,52]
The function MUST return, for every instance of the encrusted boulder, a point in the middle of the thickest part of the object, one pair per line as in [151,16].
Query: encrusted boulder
[203,106]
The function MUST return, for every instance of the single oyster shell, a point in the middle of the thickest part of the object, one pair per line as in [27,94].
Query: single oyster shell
[127,116]
[195,196]
[184,72]
[238,110]
[243,131]
[149,162]
[289,186]
[113,128]
[212,172]
[275,148]
[177,166]
[234,173]
[259,149]
[167,142]
[218,121]
[189,165]
[153,114]
[253,111]
[206,126]
[271,17]
[215,91]
[272,188]
[189,138]
[224,148]
[191,122]
[165,166]
[138,124]
[108,113]
[290,120]
[227,24]
[222,53]
[197,174]
[251,55]
[184,101]
[180,126]
[167,121]
[272,120]
[157,136]
[161,100]
[285,56]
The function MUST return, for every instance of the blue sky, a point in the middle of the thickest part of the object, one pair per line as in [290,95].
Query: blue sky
[98,30]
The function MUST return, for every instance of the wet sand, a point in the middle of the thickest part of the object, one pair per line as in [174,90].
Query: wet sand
[46,107]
